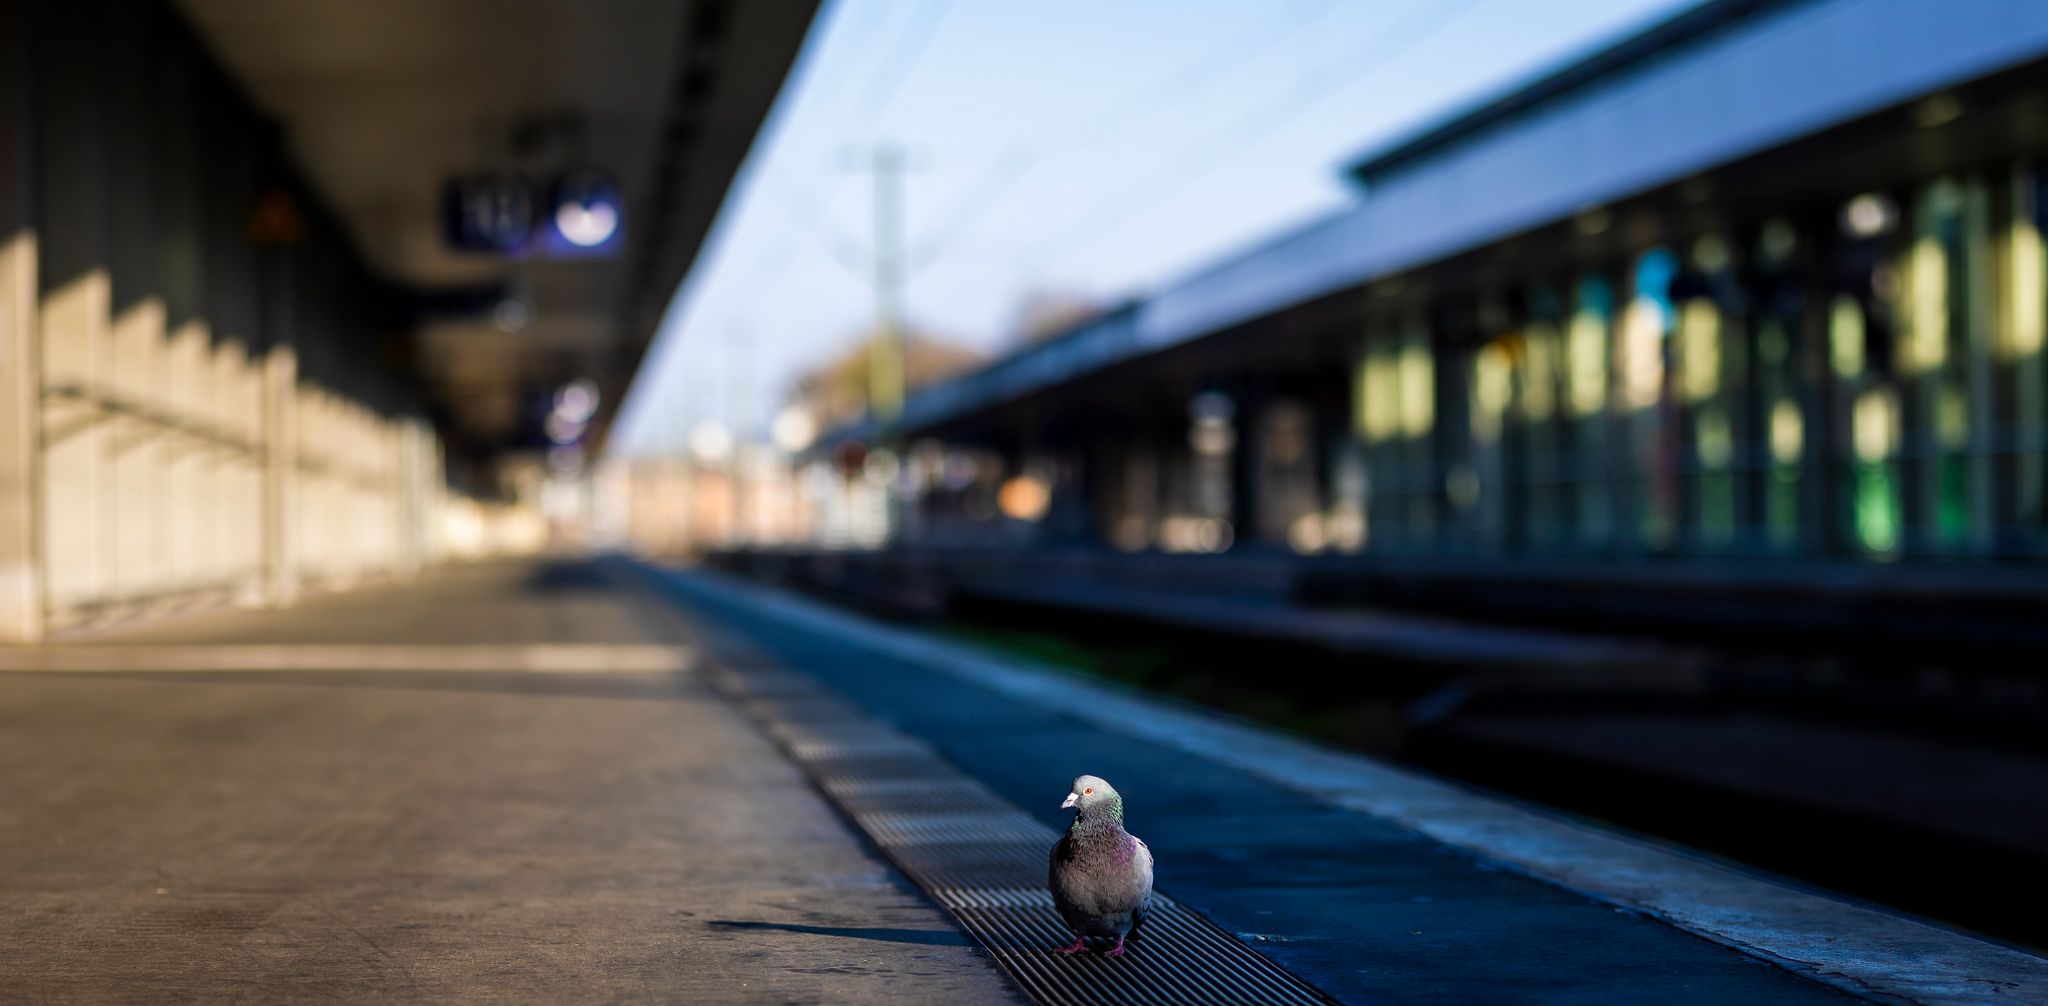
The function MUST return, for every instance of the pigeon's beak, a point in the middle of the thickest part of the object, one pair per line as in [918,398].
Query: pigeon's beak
[1072,799]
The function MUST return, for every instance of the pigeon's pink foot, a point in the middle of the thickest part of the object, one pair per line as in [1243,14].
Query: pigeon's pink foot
[1117,950]
[1079,944]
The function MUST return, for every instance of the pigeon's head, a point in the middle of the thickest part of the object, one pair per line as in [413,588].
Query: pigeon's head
[1091,792]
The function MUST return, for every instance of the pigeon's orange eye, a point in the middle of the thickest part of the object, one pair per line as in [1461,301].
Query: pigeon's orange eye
[1090,791]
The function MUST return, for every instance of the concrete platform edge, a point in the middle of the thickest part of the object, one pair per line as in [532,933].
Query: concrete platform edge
[1858,948]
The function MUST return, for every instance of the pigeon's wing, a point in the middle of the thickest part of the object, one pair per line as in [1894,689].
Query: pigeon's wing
[1142,862]
[1141,884]
[1057,879]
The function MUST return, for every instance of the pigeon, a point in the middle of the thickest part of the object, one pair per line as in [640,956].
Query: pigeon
[1100,874]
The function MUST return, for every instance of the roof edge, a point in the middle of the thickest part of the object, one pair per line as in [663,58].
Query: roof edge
[1684,30]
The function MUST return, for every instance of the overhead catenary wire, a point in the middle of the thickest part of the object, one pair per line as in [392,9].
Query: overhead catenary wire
[801,205]
[845,250]
[967,210]
[1179,85]
[888,78]
[1165,91]
[1185,81]
[1420,23]
[1199,73]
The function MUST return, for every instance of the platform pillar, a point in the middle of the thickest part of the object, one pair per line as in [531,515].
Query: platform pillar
[21,595]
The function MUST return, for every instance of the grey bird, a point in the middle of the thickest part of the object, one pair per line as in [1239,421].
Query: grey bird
[1100,874]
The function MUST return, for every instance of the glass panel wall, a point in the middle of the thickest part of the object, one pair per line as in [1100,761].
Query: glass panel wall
[1585,452]
[1646,407]
[2024,411]
[1867,379]
[1784,407]
[1541,397]
[1934,362]
[1395,412]
[1712,386]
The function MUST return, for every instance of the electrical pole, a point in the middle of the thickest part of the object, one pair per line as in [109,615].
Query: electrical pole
[738,387]
[886,351]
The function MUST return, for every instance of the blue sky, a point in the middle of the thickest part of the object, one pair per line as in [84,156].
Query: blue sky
[1097,147]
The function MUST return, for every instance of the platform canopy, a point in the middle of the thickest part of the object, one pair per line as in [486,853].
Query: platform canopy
[383,102]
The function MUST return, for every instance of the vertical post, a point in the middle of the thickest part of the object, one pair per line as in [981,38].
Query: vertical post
[130,527]
[738,386]
[885,356]
[1246,510]
[280,380]
[416,474]
[72,188]
[2026,333]
[1979,371]
[21,595]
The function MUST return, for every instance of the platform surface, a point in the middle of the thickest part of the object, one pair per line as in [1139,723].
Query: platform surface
[548,781]
[1363,909]
[570,834]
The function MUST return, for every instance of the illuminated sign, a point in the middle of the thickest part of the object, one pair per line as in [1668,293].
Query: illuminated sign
[584,216]
[487,213]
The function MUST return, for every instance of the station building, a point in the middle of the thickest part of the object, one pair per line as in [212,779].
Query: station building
[240,357]
[1756,293]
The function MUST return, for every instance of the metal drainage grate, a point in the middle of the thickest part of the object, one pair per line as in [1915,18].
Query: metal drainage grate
[983,860]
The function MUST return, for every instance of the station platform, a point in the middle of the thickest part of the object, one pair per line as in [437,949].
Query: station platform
[373,805]
[584,780]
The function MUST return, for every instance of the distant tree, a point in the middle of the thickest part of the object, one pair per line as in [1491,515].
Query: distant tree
[836,391]
[1043,314]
